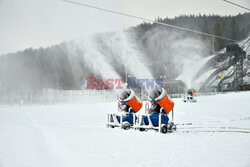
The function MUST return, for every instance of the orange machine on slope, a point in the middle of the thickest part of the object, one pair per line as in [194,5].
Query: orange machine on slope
[129,98]
[160,97]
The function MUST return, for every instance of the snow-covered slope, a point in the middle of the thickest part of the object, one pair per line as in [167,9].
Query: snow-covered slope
[216,132]
[225,64]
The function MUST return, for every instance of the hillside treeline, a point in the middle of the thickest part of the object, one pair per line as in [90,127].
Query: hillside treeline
[165,51]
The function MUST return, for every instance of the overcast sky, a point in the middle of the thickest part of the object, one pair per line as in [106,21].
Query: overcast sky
[35,23]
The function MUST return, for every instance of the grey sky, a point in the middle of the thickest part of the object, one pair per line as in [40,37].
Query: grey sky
[35,23]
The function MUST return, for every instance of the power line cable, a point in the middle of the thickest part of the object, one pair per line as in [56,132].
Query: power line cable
[235,4]
[149,20]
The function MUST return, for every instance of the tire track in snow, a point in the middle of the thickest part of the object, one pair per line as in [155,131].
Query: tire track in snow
[213,129]
[216,131]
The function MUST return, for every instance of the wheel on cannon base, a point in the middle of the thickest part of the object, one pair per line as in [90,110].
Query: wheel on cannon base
[126,125]
[164,129]
[142,129]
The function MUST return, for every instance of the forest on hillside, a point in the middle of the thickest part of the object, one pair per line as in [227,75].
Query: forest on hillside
[163,50]
[232,27]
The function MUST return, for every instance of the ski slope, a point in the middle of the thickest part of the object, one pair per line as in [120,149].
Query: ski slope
[215,131]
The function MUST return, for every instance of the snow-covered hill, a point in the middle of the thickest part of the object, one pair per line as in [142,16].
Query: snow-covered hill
[224,63]
[215,131]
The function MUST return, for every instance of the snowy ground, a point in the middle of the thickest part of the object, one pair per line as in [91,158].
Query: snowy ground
[74,135]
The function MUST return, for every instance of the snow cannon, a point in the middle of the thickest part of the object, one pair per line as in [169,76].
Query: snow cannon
[160,97]
[128,98]
[158,106]
[190,96]
[190,93]
[128,105]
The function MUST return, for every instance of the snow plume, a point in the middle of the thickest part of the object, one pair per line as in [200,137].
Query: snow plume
[122,48]
[190,70]
[67,65]
[110,55]
[92,57]
[176,53]
[188,57]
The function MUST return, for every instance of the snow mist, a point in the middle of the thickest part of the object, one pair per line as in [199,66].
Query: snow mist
[178,53]
[107,54]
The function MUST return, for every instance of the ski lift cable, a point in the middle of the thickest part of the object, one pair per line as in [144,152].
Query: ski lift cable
[232,3]
[149,20]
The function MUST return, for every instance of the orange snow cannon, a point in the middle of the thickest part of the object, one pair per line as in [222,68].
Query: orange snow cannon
[190,92]
[129,98]
[160,97]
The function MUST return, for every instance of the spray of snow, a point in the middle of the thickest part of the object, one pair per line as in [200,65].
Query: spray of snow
[92,58]
[183,52]
[101,51]
[104,52]
[202,79]
[190,70]
[177,53]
